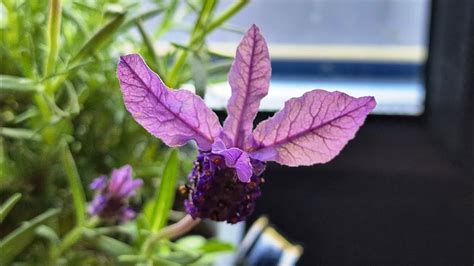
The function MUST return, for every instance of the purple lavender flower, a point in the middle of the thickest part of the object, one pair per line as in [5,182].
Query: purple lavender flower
[225,180]
[111,200]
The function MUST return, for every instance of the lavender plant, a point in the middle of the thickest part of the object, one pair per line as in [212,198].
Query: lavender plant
[228,171]
[62,124]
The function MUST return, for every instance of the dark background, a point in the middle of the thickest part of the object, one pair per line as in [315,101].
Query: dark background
[401,192]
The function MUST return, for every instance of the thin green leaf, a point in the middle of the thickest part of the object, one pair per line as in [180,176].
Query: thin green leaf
[151,49]
[227,14]
[76,20]
[191,242]
[167,20]
[141,17]
[192,6]
[68,71]
[20,133]
[48,233]
[182,255]
[86,7]
[132,258]
[196,40]
[165,196]
[73,106]
[215,245]
[75,184]
[6,207]
[183,47]
[17,84]
[112,246]
[199,74]
[217,68]
[232,28]
[73,236]
[15,242]
[99,38]
[29,113]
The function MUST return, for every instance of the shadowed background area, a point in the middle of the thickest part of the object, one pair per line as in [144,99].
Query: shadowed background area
[401,192]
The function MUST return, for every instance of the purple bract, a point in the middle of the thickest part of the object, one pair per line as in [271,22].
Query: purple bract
[308,130]
[111,199]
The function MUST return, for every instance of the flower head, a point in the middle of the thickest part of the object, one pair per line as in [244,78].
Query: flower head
[226,176]
[111,199]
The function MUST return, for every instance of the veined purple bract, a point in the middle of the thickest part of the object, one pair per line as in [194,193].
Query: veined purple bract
[227,173]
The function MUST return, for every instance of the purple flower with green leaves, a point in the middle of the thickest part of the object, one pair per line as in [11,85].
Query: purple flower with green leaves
[225,180]
[112,196]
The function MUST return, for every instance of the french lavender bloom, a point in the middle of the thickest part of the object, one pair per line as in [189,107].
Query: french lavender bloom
[111,199]
[226,178]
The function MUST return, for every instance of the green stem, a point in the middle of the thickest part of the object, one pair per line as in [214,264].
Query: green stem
[72,237]
[170,232]
[178,65]
[54,29]
[42,105]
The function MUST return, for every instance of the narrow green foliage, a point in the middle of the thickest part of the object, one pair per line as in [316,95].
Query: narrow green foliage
[112,246]
[17,84]
[99,38]
[199,74]
[59,97]
[130,22]
[19,133]
[214,245]
[73,106]
[53,33]
[6,207]
[165,196]
[198,30]
[75,184]
[227,14]
[15,242]
[167,20]
[151,49]
[68,241]
[204,25]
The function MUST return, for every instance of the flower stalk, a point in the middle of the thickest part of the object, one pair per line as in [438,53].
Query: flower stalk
[171,232]
[54,30]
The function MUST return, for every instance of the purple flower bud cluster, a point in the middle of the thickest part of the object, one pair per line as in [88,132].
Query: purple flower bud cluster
[112,196]
[217,193]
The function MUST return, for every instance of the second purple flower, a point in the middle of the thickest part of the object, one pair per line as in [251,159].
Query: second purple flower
[112,195]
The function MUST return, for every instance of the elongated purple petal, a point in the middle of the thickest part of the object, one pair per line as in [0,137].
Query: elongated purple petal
[128,189]
[120,178]
[249,78]
[98,183]
[311,129]
[97,205]
[174,116]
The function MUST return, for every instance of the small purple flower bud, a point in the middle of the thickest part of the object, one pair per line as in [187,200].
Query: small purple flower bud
[217,193]
[98,183]
[111,200]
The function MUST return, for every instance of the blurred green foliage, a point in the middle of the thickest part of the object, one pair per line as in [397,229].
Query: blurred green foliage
[62,119]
